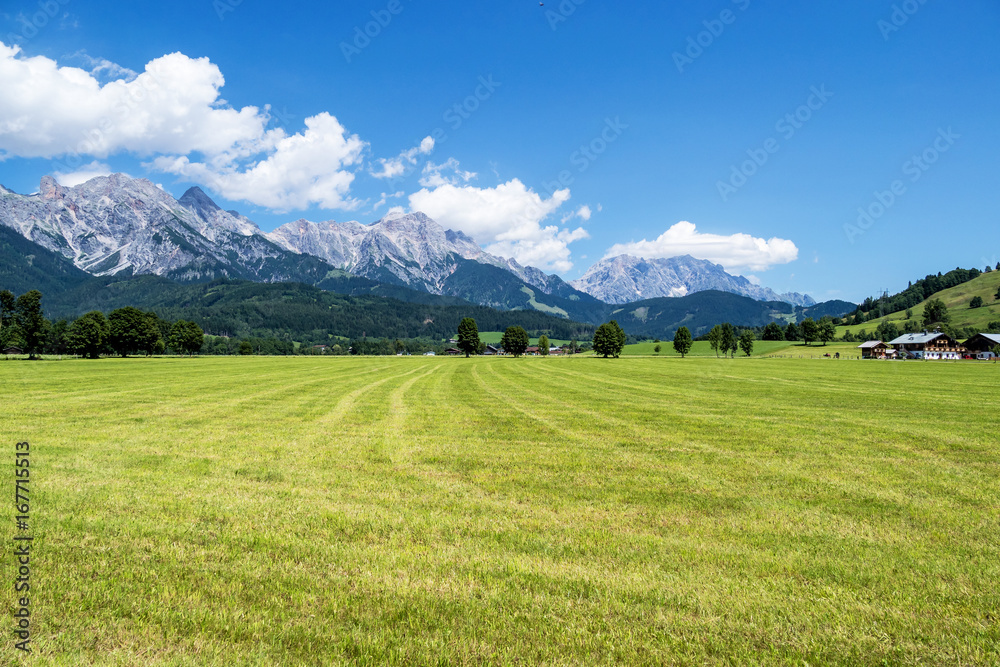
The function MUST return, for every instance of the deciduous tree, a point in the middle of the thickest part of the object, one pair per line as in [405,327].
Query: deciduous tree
[977,302]
[468,336]
[887,331]
[132,331]
[514,341]
[682,341]
[715,338]
[936,313]
[29,319]
[773,332]
[827,331]
[543,345]
[730,342]
[88,335]
[186,337]
[809,330]
[746,342]
[609,339]
[791,332]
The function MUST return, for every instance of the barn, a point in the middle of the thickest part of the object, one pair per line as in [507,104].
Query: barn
[982,345]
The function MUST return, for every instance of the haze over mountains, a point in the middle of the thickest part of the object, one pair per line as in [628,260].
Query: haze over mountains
[116,225]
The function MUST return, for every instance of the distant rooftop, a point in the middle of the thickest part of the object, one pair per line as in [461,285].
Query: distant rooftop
[916,338]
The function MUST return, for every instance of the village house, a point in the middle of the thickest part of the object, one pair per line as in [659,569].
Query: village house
[875,349]
[933,345]
[982,345]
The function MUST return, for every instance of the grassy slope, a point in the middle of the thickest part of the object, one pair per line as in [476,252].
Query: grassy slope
[957,299]
[237,511]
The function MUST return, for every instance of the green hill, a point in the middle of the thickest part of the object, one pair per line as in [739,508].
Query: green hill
[957,299]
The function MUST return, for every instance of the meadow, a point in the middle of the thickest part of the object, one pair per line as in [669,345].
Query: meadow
[559,511]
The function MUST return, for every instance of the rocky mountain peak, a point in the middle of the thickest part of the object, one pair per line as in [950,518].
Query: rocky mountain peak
[196,200]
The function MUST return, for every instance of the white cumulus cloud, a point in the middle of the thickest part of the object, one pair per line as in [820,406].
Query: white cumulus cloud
[734,252]
[82,175]
[299,170]
[172,112]
[448,173]
[507,219]
[398,166]
[50,111]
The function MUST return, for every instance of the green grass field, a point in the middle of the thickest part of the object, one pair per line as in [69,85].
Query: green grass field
[493,338]
[560,511]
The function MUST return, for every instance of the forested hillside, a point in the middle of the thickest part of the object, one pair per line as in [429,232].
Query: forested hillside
[294,310]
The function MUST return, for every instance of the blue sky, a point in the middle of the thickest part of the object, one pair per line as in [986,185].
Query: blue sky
[555,133]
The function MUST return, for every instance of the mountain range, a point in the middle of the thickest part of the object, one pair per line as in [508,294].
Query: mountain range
[624,279]
[119,226]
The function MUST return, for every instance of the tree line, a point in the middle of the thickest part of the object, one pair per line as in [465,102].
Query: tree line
[915,293]
[124,332]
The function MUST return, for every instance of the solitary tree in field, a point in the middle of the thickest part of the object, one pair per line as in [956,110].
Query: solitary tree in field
[746,342]
[468,336]
[682,341]
[543,345]
[827,330]
[977,302]
[809,330]
[514,341]
[997,295]
[88,335]
[29,319]
[657,348]
[609,339]
[791,332]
